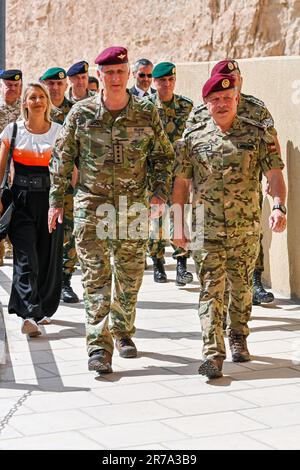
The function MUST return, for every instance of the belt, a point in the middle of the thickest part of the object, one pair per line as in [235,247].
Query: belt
[33,182]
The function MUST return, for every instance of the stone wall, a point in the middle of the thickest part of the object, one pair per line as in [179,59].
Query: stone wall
[44,33]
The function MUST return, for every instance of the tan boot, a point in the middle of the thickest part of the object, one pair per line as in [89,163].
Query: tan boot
[238,347]
[8,248]
[212,368]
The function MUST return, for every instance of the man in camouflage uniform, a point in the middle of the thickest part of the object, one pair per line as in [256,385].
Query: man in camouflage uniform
[78,75]
[56,82]
[252,108]
[223,156]
[174,111]
[10,110]
[116,137]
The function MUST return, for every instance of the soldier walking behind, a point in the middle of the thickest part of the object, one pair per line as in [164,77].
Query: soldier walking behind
[56,82]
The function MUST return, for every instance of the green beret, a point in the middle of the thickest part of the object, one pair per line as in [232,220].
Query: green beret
[164,69]
[55,73]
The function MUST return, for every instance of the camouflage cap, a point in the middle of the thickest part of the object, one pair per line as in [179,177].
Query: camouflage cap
[79,67]
[218,82]
[55,73]
[11,74]
[225,66]
[112,56]
[164,69]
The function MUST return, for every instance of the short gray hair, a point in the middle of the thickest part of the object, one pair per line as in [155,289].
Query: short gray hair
[141,62]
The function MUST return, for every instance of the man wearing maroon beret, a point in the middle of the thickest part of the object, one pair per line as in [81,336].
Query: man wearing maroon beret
[255,109]
[117,137]
[224,156]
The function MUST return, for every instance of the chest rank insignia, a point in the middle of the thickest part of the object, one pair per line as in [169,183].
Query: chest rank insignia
[118,153]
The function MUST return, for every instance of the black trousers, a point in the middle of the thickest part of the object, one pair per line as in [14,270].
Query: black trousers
[37,263]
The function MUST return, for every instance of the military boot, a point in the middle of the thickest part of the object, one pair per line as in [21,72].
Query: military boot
[238,347]
[183,276]
[100,361]
[126,347]
[67,293]
[260,295]
[212,368]
[159,272]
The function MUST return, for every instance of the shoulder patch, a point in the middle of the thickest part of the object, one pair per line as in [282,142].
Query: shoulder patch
[254,100]
[251,122]
[195,127]
[199,108]
[184,98]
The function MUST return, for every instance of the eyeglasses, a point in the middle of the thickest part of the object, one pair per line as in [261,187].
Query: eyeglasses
[143,75]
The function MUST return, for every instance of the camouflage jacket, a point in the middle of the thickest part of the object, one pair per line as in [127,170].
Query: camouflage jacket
[69,95]
[114,155]
[9,113]
[59,114]
[173,114]
[249,107]
[225,170]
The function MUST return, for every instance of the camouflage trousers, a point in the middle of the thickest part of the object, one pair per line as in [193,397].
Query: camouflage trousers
[128,268]
[234,260]
[69,251]
[259,265]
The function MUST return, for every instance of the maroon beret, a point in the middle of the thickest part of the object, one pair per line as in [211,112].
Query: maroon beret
[112,55]
[225,66]
[218,82]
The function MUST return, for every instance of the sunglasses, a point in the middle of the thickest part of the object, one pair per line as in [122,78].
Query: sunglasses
[143,75]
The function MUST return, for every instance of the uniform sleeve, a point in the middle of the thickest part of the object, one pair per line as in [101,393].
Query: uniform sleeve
[183,167]
[267,120]
[62,160]
[160,159]
[269,157]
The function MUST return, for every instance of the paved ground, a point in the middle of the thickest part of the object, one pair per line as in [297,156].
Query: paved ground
[157,401]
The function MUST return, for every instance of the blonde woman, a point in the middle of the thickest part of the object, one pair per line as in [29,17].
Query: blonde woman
[37,254]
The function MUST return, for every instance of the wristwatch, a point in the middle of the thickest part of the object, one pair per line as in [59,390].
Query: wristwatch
[281,207]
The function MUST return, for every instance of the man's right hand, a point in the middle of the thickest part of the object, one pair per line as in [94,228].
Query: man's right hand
[53,215]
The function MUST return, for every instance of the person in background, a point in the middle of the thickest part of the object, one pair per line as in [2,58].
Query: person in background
[173,110]
[93,84]
[56,82]
[78,75]
[142,72]
[10,110]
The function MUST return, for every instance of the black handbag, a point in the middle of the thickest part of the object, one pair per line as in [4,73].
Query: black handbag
[5,192]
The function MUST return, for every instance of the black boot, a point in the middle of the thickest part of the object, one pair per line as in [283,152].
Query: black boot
[159,270]
[260,295]
[67,293]
[183,276]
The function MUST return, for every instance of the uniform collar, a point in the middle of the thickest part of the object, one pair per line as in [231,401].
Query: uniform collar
[104,113]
